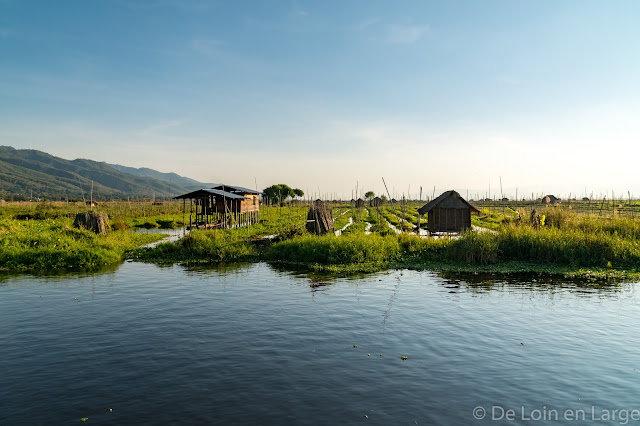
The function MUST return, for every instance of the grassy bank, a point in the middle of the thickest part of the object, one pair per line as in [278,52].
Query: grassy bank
[40,237]
[53,244]
[571,246]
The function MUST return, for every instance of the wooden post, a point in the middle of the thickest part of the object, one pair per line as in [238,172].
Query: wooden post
[419,215]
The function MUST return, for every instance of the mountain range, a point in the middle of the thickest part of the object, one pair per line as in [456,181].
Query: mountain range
[28,173]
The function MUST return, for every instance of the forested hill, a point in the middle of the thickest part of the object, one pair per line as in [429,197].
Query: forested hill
[182,181]
[28,173]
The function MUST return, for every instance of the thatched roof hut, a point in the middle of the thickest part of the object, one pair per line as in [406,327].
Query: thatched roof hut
[360,203]
[448,213]
[549,199]
[376,202]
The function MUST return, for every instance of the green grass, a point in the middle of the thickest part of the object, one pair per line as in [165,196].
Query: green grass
[211,246]
[53,244]
[568,244]
[329,249]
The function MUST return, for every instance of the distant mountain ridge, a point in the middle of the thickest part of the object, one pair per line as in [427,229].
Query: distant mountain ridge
[26,173]
[185,182]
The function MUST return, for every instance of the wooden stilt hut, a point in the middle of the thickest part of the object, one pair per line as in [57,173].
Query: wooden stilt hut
[448,213]
[223,206]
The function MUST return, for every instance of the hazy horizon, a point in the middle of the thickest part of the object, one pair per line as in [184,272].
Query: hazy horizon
[325,96]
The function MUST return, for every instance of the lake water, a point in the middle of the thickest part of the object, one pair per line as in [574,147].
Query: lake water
[254,345]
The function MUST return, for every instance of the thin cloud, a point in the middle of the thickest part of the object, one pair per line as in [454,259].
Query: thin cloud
[363,25]
[406,34]
[159,128]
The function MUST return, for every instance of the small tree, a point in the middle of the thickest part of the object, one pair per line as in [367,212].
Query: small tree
[277,193]
[369,195]
[297,192]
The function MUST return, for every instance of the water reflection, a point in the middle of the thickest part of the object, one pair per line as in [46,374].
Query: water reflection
[258,344]
[50,276]
[480,283]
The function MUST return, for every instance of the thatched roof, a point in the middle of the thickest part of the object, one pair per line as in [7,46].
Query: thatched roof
[448,199]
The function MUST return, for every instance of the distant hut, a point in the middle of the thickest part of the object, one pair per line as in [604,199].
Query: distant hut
[448,213]
[222,206]
[360,203]
[549,199]
[585,199]
[376,202]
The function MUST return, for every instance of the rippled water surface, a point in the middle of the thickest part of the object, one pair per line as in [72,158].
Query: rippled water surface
[253,345]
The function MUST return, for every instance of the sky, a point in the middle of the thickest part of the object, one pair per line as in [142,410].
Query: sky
[329,96]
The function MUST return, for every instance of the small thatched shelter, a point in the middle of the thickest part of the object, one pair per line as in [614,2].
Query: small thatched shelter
[359,203]
[320,218]
[549,199]
[376,202]
[448,213]
[92,221]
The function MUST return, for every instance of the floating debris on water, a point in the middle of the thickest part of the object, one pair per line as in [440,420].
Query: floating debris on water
[355,345]
[404,358]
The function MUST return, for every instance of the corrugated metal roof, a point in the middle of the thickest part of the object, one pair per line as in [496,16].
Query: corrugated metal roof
[444,200]
[233,188]
[204,192]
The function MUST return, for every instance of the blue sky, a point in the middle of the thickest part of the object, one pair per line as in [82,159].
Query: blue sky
[544,95]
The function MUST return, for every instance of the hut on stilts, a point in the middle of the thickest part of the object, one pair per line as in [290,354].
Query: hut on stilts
[223,206]
[448,213]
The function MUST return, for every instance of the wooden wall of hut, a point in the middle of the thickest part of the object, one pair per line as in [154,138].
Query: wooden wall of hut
[449,220]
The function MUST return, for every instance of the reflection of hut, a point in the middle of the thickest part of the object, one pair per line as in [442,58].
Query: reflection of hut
[360,203]
[549,199]
[376,202]
[448,213]
[222,206]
